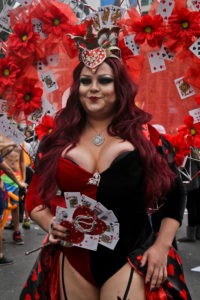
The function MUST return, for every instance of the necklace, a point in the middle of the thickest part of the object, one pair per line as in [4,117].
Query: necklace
[98,139]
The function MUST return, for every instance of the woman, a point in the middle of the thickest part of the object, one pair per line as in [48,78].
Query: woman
[101,131]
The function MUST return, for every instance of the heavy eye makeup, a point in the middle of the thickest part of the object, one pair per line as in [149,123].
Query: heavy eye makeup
[101,79]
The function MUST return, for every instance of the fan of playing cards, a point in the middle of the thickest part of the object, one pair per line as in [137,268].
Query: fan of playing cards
[89,223]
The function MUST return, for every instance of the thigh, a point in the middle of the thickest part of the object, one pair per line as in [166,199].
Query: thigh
[76,286]
[116,286]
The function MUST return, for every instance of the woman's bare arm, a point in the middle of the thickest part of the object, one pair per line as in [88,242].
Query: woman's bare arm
[156,256]
[44,218]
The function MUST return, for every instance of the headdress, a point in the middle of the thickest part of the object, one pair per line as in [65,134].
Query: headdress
[93,50]
[102,37]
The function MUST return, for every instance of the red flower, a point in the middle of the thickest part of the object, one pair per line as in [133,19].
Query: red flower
[45,127]
[149,28]
[55,21]
[191,131]
[180,146]
[23,38]
[28,97]
[8,71]
[183,27]
[197,99]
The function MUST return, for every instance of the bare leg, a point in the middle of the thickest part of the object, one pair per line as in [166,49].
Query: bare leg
[26,216]
[122,287]
[76,286]
[15,218]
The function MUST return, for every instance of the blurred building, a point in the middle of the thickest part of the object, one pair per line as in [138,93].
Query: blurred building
[145,5]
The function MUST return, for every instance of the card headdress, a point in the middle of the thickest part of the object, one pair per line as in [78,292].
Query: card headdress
[101,39]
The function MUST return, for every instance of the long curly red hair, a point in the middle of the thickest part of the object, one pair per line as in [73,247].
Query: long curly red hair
[126,124]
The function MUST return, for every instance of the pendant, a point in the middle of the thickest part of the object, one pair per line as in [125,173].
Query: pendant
[98,140]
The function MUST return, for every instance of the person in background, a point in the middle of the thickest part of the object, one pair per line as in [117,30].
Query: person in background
[8,171]
[14,157]
[193,199]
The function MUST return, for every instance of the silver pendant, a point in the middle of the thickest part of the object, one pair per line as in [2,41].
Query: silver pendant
[98,140]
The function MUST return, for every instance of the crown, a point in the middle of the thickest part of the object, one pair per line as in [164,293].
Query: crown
[102,37]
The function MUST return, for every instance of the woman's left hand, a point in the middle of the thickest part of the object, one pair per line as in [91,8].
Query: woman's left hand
[156,259]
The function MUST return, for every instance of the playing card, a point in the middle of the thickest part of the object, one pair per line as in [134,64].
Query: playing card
[5,16]
[105,15]
[15,134]
[87,201]
[185,90]
[195,48]
[61,214]
[112,228]
[4,124]
[108,240]
[196,4]
[99,209]
[3,106]
[165,54]
[157,64]
[40,66]
[24,2]
[37,25]
[195,113]
[116,14]
[107,216]
[130,43]
[52,59]
[165,8]
[46,108]
[90,242]
[96,21]
[72,199]
[49,82]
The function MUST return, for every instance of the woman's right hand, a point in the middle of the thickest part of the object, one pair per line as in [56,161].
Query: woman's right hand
[57,232]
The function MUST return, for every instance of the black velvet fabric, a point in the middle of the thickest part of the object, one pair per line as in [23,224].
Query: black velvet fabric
[122,189]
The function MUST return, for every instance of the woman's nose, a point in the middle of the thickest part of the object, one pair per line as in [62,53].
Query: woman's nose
[94,86]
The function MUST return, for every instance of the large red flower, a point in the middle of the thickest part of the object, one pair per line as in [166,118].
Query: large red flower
[28,97]
[180,146]
[24,38]
[45,127]
[55,21]
[8,71]
[147,28]
[191,131]
[183,27]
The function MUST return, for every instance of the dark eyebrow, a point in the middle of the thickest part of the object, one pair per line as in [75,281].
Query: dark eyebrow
[85,75]
[106,75]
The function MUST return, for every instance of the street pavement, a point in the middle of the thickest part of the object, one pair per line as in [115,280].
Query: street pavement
[13,277]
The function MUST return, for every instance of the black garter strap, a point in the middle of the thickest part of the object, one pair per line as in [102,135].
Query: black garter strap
[129,284]
[63,283]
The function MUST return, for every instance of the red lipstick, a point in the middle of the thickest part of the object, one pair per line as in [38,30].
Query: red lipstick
[94,99]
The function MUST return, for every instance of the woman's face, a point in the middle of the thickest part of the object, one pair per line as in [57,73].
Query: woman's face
[97,92]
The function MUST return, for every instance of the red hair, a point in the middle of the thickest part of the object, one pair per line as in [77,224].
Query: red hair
[126,124]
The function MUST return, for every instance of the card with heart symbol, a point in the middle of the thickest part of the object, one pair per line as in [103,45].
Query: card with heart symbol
[165,8]
[196,4]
